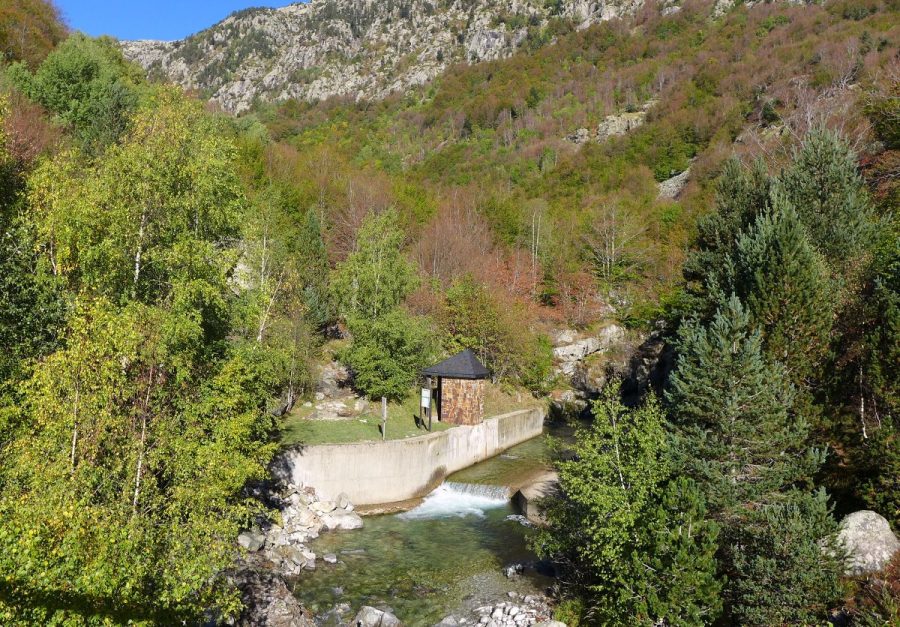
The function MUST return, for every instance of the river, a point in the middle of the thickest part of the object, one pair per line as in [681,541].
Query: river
[444,556]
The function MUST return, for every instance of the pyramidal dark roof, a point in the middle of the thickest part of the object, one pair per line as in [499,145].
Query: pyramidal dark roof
[464,365]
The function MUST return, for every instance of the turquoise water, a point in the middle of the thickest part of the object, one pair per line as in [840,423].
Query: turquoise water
[440,558]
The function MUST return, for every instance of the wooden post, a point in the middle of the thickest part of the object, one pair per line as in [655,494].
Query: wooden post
[383,418]
[429,404]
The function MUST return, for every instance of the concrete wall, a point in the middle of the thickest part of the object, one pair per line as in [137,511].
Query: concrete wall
[373,473]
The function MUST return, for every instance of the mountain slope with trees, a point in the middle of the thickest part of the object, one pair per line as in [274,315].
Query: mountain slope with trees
[169,275]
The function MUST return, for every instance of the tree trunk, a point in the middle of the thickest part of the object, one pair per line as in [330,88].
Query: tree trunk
[140,462]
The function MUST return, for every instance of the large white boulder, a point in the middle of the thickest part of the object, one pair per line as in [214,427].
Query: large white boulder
[869,542]
[342,519]
[373,617]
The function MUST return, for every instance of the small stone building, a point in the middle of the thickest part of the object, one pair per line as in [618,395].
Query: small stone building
[460,388]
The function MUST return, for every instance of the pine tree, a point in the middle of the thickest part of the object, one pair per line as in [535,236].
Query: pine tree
[784,282]
[742,193]
[730,406]
[823,184]
[786,570]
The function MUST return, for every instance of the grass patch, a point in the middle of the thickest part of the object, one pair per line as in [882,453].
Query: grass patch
[298,428]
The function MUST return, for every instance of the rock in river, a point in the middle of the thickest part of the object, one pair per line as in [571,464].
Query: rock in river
[373,617]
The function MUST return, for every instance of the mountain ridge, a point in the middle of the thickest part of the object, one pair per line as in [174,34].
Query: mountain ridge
[361,50]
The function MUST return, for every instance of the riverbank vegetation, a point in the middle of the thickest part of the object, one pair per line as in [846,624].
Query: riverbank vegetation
[772,354]
[169,275]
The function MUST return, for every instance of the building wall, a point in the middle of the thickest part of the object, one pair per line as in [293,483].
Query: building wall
[462,401]
[375,473]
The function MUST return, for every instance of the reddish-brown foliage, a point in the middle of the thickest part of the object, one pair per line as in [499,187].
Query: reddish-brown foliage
[28,130]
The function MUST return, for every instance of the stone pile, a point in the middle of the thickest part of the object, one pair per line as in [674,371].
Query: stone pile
[303,516]
[517,611]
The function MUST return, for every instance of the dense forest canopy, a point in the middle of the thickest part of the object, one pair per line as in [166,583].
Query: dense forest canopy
[168,273]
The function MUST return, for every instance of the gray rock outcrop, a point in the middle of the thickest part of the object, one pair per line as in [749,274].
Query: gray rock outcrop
[619,124]
[671,187]
[868,541]
[568,356]
[362,49]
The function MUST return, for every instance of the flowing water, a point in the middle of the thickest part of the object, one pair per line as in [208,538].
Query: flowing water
[444,556]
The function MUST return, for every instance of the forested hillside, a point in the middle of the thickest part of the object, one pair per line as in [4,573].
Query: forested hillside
[169,275]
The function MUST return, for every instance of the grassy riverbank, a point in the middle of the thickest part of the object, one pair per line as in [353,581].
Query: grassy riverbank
[403,419]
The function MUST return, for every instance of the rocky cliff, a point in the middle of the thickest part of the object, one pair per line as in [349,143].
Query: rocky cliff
[363,49]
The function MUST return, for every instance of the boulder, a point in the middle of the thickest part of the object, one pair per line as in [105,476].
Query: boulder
[342,519]
[550,623]
[323,507]
[869,542]
[373,617]
[252,540]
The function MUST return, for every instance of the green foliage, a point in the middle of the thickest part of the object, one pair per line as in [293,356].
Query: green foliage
[88,85]
[786,287]
[376,276]
[388,353]
[786,567]
[153,211]
[132,421]
[881,458]
[121,494]
[731,408]
[314,272]
[31,310]
[825,188]
[741,194]
[635,539]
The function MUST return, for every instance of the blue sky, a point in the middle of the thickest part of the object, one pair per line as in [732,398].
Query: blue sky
[151,19]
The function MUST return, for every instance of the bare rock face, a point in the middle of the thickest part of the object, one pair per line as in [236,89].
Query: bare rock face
[869,542]
[570,355]
[364,49]
[622,123]
[671,187]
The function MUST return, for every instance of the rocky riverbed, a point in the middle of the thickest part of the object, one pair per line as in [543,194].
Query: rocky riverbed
[515,611]
[278,552]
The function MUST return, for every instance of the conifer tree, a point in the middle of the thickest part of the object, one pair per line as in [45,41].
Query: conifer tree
[742,193]
[635,538]
[784,282]
[823,184]
[785,565]
[730,405]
